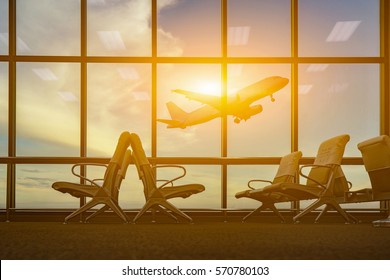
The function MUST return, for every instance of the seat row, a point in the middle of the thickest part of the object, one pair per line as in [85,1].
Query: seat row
[325,183]
[107,192]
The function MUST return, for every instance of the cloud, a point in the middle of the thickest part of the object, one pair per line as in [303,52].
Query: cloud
[30,170]
[162,4]
[35,182]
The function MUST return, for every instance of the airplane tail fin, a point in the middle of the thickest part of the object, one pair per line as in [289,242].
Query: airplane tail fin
[176,112]
[178,116]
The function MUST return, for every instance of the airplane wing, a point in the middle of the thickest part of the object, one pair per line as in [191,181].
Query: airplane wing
[214,101]
[261,89]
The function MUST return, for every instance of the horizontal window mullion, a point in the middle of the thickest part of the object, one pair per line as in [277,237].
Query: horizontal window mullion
[218,60]
[168,160]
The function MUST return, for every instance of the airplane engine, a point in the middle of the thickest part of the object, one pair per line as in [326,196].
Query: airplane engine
[248,112]
[253,110]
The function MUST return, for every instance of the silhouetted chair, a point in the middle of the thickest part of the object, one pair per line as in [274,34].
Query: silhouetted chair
[326,183]
[107,193]
[287,172]
[157,196]
[376,159]
[115,191]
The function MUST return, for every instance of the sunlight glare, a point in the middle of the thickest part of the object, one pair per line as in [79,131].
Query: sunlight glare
[209,88]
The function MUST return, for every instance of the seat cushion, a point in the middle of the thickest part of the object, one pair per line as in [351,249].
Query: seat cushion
[295,191]
[362,195]
[182,190]
[76,190]
[241,194]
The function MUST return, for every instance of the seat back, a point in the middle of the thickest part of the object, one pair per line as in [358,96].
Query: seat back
[288,168]
[115,164]
[330,153]
[376,159]
[121,174]
[143,165]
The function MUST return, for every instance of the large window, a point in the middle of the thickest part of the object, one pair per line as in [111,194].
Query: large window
[77,73]
[119,28]
[47,109]
[33,186]
[54,30]
[4,27]
[119,98]
[3,109]
[336,99]
[189,28]
[3,185]
[193,140]
[243,137]
[339,28]
[259,28]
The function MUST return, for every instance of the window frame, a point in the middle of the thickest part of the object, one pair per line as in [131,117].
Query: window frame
[154,60]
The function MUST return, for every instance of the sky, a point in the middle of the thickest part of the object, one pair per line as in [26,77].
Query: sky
[333,98]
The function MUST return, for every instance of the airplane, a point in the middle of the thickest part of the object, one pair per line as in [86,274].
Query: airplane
[238,105]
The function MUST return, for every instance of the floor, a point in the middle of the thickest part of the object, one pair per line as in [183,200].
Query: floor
[205,239]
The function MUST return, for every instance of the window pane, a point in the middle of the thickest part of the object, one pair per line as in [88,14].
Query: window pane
[3,109]
[195,140]
[266,133]
[189,28]
[209,176]
[339,28]
[119,28]
[48,27]
[359,178]
[33,186]
[119,98]
[131,194]
[3,186]
[246,33]
[357,175]
[338,99]
[238,177]
[48,109]
[3,26]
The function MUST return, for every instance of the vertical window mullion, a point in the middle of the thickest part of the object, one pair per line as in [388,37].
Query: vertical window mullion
[294,75]
[385,67]
[83,91]
[154,79]
[224,128]
[83,79]
[10,200]
[294,85]
[384,76]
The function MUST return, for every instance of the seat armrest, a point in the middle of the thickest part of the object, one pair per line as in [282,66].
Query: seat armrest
[97,180]
[174,179]
[315,165]
[92,182]
[257,180]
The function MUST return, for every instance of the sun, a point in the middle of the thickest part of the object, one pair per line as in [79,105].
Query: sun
[209,88]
